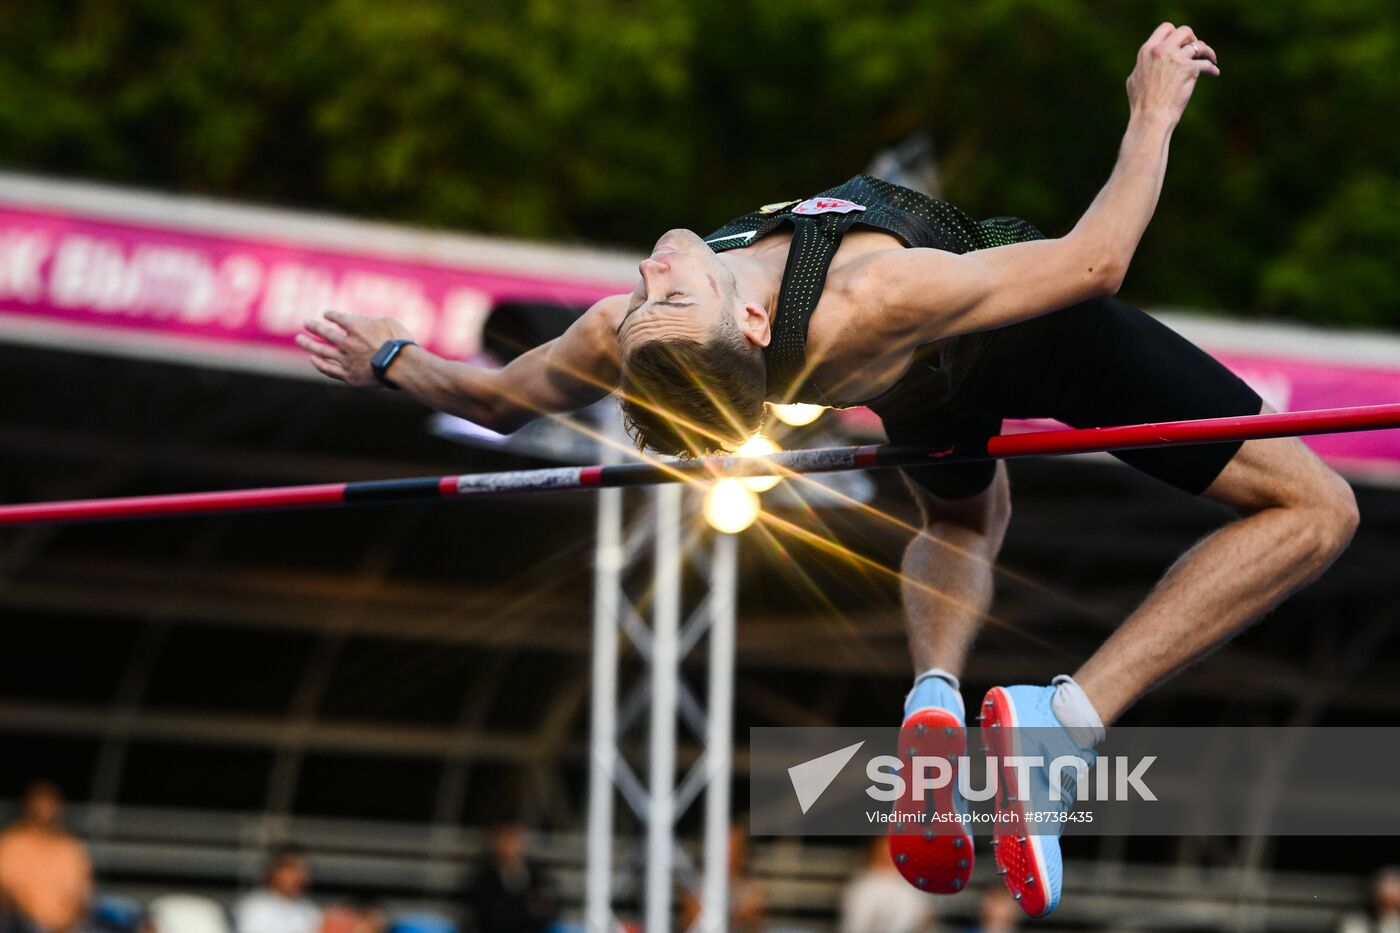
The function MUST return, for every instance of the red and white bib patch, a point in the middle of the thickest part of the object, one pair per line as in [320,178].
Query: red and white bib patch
[827,206]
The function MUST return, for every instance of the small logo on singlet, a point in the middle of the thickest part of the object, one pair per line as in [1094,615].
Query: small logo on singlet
[776,206]
[827,206]
[745,237]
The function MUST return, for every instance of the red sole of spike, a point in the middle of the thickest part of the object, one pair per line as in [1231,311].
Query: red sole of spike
[937,857]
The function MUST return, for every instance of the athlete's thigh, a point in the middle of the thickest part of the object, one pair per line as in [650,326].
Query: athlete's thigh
[1115,364]
[936,428]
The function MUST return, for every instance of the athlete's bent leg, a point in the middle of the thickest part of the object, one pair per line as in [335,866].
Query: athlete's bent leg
[947,589]
[947,572]
[1297,517]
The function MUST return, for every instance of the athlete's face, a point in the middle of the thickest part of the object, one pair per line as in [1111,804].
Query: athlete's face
[683,291]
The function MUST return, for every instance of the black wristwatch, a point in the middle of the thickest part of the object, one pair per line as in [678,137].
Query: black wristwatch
[384,358]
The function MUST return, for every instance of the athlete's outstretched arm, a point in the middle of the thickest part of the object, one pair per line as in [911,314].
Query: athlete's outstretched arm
[567,373]
[935,294]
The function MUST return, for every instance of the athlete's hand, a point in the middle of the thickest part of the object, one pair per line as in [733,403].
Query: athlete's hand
[1168,65]
[347,344]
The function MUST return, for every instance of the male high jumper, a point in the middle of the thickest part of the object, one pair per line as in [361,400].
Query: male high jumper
[873,294]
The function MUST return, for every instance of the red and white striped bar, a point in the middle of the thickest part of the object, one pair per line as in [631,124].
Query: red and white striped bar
[792,462]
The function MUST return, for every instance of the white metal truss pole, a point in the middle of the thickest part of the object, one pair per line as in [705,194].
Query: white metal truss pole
[724,585]
[608,564]
[665,676]
[660,693]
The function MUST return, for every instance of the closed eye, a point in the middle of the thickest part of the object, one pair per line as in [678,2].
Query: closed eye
[668,302]
[670,299]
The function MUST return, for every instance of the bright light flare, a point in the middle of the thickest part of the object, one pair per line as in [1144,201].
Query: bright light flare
[730,506]
[759,446]
[798,413]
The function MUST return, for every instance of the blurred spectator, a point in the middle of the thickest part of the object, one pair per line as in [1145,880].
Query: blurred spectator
[748,898]
[281,905]
[113,913]
[354,918]
[423,922]
[1385,907]
[508,894]
[187,913]
[45,878]
[878,900]
[997,912]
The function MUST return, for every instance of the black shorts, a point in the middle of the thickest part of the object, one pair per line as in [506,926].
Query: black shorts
[1091,365]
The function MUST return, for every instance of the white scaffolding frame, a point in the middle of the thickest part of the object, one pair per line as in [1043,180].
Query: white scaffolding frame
[661,691]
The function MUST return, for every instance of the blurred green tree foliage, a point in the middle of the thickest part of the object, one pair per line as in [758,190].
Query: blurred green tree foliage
[610,120]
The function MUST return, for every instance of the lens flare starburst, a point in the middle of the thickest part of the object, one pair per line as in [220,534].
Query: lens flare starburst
[731,506]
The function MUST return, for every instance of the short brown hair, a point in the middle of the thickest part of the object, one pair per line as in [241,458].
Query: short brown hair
[688,398]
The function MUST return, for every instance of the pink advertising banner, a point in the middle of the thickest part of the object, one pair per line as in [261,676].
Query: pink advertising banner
[1298,384]
[243,290]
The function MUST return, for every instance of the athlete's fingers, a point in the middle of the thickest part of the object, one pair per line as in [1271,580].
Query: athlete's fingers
[345,320]
[1181,36]
[1203,51]
[316,347]
[1206,68]
[329,368]
[1158,34]
[327,331]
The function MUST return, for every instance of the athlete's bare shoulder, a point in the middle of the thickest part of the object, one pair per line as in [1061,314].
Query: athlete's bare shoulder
[854,346]
[607,310]
[864,276]
[598,325]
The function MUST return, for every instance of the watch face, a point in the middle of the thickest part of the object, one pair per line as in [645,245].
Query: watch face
[383,357]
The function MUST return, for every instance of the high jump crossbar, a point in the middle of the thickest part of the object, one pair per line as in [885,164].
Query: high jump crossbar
[703,469]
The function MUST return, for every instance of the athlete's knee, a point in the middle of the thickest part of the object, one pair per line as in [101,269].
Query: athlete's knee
[1283,474]
[986,515]
[1337,515]
[1326,515]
